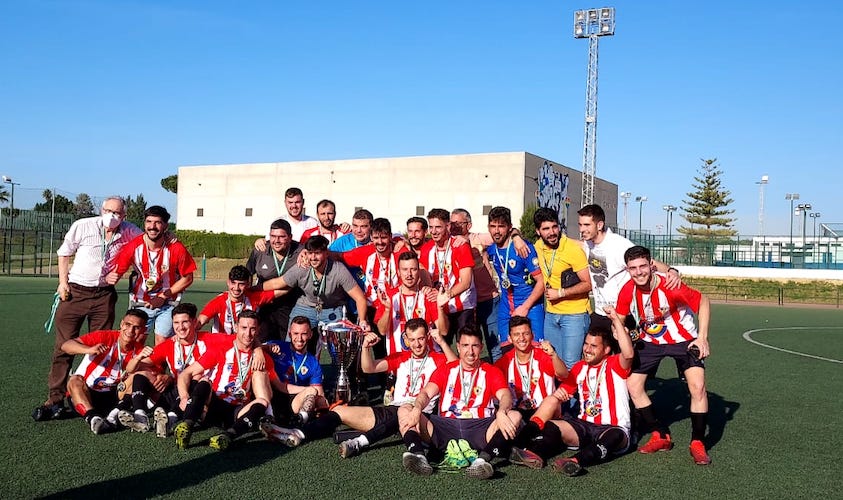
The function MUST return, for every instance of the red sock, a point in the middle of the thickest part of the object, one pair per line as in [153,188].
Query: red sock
[539,422]
[80,409]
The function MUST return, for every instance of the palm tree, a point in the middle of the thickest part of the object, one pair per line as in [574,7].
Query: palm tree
[4,195]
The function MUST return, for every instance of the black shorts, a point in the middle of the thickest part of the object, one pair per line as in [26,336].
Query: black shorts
[589,433]
[282,404]
[103,402]
[472,430]
[169,399]
[220,413]
[386,415]
[649,355]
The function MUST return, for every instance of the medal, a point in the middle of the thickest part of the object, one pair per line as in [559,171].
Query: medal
[319,306]
[591,409]
[150,283]
[239,393]
[465,414]
[505,283]
[387,397]
[121,387]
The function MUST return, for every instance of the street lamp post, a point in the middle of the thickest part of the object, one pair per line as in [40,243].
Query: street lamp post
[803,209]
[640,200]
[8,180]
[669,209]
[791,197]
[625,195]
[815,216]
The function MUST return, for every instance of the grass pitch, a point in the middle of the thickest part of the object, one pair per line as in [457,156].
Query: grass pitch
[774,430]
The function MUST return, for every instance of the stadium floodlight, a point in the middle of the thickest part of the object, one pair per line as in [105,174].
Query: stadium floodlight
[803,209]
[791,197]
[815,216]
[765,179]
[669,209]
[640,200]
[591,24]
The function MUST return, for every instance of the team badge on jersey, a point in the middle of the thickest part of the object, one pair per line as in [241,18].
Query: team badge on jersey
[511,263]
[654,329]
[303,370]
[536,261]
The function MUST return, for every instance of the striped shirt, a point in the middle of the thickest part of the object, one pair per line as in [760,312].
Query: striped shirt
[604,399]
[95,252]
[530,382]
[664,316]
[467,393]
[102,372]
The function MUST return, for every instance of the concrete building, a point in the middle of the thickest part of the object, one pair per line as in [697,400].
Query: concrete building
[246,198]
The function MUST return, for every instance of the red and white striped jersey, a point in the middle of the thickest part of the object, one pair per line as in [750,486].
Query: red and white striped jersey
[603,394]
[406,307]
[158,270]
[529,382]
[380,273]
[102,372]
[467,393]
[176,357]
[224,311]
[331,235]
[412,374]
[228,369]
[444,267]
[664,316]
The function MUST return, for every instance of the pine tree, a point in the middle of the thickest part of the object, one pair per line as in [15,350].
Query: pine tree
[706,208]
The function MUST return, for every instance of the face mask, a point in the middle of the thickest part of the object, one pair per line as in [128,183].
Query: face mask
[110,220]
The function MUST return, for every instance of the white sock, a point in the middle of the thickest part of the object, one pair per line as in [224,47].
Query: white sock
[304,416]
[112,416]
[362,441]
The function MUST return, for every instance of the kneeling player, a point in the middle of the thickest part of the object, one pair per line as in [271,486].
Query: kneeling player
[412,368]
[99,377]
[602,426]
[225,393]
[297,390]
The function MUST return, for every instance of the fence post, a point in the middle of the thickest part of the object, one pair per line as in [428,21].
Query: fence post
[781,296]
[204,266]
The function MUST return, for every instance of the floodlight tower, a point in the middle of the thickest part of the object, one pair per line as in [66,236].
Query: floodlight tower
[625,195]
[591,24]
[765,179]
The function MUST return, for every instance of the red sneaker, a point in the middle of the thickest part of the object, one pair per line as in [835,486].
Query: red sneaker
[656,443]
[567,466]
[698,453]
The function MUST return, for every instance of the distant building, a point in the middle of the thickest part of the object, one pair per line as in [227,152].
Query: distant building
[246,198]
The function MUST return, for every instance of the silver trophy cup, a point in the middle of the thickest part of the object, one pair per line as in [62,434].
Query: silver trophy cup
[343,341]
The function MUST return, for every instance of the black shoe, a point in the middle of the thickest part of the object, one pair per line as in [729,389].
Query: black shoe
[48,412]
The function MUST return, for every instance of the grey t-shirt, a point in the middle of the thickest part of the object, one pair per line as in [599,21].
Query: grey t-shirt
[334,292]
[264,264]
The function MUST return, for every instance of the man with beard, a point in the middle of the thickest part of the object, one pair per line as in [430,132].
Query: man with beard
[164,271]
[602,426]
[224,309]
[99,377]
[416,233]
[408,302]
[83,293]
[231,394]
[468,390]
[326,212]
[567,283]
[521,280]
[280,256]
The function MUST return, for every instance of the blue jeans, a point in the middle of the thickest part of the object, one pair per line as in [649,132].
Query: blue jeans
[566,332]
[328,315]
[161,320]
[535,314]
[487,322]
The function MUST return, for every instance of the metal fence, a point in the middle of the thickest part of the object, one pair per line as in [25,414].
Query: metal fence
[29,240]
[822,252]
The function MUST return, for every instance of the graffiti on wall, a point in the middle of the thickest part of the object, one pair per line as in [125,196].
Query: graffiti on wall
[553,192]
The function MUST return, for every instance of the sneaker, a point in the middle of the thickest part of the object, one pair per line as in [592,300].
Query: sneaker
[287,437]
[221,441]
[48,411]
[698,452]
[98,424]
[137,421]
[522,456]
[567,466]
[657,442]
[159,416]
[349,448]
[480,469]
[416,463]
[183,432]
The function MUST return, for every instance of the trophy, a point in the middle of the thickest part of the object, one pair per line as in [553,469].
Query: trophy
[343,339]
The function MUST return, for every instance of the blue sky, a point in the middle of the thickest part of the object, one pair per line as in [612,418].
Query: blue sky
[109,96]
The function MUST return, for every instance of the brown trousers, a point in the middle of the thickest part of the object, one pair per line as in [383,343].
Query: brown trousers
[96,304]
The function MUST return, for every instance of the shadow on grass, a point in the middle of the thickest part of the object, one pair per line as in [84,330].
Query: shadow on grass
[170,480]
[672,403]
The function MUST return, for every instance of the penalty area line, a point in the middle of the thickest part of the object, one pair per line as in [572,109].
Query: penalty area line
[747,335]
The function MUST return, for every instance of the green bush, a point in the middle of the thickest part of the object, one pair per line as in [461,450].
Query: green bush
[223,245]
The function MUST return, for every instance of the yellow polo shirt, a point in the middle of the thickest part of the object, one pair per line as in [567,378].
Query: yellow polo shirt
[568,255]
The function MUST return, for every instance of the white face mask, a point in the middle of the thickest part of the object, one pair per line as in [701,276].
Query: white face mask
[110,220]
